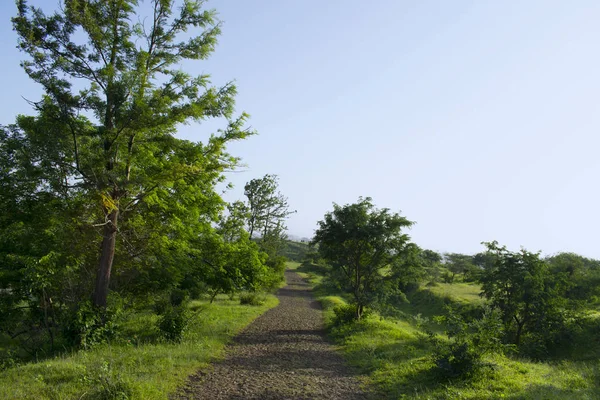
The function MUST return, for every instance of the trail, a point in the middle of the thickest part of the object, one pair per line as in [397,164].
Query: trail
[283,354]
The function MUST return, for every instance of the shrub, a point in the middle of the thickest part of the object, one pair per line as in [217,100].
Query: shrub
[345,314]
[89,326]
[461,356]
[9,360]
[447,277]
[178,297]
[161,305]
[196,293]
[252,299]
[173,323]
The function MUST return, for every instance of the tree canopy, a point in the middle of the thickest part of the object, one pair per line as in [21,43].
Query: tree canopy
[114,95]
[359,241]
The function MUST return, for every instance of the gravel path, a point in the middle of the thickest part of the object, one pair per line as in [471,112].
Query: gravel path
[283,354]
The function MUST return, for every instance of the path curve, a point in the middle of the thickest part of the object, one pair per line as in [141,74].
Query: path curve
[283,354]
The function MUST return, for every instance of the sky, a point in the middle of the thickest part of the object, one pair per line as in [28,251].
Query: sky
[478,120]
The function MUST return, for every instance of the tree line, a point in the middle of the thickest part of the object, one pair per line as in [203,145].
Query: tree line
[535,306]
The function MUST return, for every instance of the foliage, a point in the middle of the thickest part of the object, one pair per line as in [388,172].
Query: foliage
[431,257]
[408,269]
[178,297]
[252,299]
[90,326]
[136,362]
[109,386]
[461,356]
[583,273]
[130,177]
[295,251]
[231,267]
[530,298]
[359,241]
[399,363]
[174,322]
[268,207]
[345,314]
[460,264]
[232,226]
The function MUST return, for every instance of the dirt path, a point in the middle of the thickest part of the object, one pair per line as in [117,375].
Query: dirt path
[283,354]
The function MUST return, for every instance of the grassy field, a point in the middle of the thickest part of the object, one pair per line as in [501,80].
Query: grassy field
[138,366]
[397,358]
[458,292]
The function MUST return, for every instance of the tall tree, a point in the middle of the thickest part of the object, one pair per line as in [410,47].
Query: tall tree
[116,89]
[359,241]
[268,208]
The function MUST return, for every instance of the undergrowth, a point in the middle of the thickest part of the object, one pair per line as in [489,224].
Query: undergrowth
[140,364]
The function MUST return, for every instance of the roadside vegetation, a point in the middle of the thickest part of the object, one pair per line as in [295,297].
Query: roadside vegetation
[139,363]
[495,325]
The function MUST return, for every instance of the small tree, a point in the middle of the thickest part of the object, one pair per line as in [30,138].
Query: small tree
[359,241]
[268,212]
[431,257]
[583,275]
[529,298]
[268,207]
[460,264]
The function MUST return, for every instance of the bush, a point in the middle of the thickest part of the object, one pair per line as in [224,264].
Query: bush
[178,297]
[89,326]
[277,264]
[173,324]
[447,277]
[457,359]
[343,314]
[9,360]
[346,314]
[252,299]
[461,356]
[196,293]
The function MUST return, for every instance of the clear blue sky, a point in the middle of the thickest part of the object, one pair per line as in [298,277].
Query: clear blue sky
[479,120]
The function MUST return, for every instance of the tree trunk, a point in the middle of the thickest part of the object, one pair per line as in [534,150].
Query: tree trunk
[213,295]
[520,325]
[359,311]
[107,254]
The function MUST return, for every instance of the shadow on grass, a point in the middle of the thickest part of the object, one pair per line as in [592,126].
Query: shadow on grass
[549,392]
[312,268]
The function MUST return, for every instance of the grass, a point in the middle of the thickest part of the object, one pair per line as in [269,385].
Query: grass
[397,359]
[138,366]
[459,292]
[293,265]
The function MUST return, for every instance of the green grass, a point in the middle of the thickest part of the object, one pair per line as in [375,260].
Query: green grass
[311,272]
[397,359]
[137,365]
[458,292]
[293,265]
